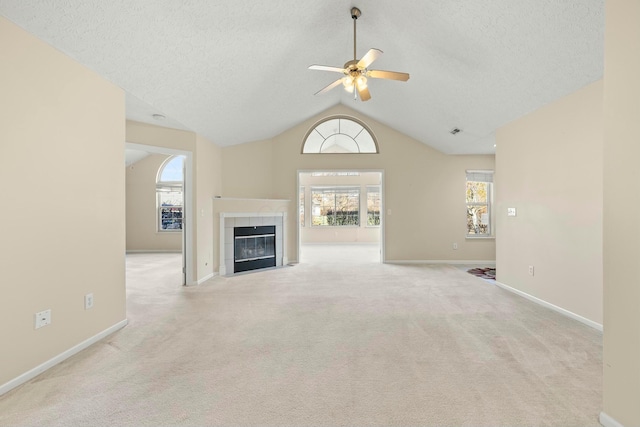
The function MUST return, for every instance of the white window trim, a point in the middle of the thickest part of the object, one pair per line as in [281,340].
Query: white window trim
[365,128]
[482,175]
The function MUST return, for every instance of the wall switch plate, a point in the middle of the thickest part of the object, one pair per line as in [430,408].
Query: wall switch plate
[88,301]
[455,246]
[42,318]
[511,211]
[531,270]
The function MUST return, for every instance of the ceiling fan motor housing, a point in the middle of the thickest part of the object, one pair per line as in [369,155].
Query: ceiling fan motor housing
[351,65]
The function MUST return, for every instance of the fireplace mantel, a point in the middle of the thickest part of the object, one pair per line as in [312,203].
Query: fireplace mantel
[229,220]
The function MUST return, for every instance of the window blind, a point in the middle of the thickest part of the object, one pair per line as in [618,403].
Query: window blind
[480,175]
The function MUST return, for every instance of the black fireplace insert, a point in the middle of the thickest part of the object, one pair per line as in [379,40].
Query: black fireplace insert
[254,248]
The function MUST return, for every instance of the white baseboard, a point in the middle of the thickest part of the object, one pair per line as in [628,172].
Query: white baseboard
[205,278]
[608,421]
[553,307]
[445,261]
[4,388]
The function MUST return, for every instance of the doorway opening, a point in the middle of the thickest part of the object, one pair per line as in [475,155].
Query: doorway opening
[341,216]
[155,222]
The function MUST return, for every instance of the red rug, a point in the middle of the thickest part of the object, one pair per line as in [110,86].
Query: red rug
[484,273]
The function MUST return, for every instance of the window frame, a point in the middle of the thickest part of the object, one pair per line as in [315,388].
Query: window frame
[365,129]
[484,177]
[165,187]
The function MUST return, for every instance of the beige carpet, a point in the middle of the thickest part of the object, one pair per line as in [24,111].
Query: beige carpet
[324,345]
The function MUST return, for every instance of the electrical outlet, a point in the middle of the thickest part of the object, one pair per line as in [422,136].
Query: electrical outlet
[455,246]
[531,270]
[88,301]
[42,318]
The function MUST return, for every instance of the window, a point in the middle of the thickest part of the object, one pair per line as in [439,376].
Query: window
[301,207]
[479,197]
[340,135]
[335,206]
[373,206]
[169,197]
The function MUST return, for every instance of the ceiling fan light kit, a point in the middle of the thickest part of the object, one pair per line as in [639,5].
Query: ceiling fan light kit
[357,71]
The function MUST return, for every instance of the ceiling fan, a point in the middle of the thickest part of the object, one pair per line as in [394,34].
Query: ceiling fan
[356,72]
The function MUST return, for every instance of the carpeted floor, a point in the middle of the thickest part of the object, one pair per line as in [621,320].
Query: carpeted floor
[323,344]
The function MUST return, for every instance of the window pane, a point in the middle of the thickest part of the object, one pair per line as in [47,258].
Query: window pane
[301,206]
[172,170]
[366,143]
[169,198]
[349,127]
[171,218]
[477,219]
[169,209]
[339,144]
[373,206]
[339,136]
[477,192]
[313,143]
[335,206]
[328,128]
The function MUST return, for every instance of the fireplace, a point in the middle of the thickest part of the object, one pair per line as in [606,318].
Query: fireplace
[251,223]
[254,247]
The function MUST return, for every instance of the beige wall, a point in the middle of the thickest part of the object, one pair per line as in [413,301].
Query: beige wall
[207,183]
[622,203]
[61,158]
[248,170]
[142,216]
[362,233]
[423,188]
[549,167]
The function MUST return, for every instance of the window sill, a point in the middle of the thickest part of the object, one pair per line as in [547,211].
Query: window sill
[480,237]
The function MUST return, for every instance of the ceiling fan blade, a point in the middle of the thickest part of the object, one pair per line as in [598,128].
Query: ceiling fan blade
[391,75]
[326,68]
[363,92]
[329,87]
[369,57]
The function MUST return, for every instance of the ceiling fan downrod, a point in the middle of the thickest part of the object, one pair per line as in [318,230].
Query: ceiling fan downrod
[355,14]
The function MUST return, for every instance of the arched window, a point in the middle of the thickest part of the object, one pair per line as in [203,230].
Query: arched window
[340,134]
[169,194]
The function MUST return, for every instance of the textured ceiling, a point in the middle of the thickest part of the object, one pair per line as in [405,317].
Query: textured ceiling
[236,71]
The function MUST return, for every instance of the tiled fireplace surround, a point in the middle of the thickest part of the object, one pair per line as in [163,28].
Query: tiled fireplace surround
[230,220]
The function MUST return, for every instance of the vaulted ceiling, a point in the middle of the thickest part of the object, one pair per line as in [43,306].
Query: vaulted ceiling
[236,71]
